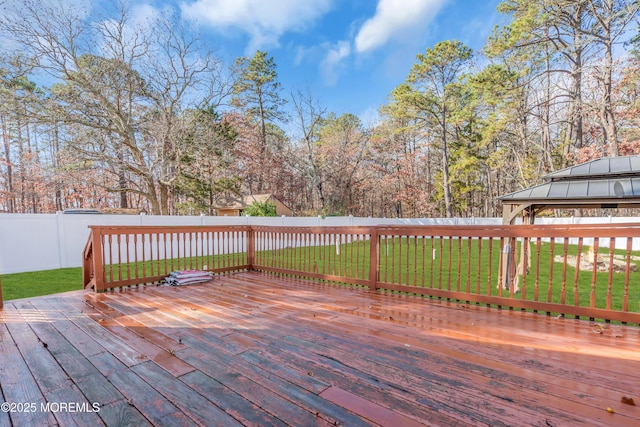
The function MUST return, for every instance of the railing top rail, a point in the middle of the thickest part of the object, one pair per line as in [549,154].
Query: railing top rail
[116,229]
[536,230]
[619,230]
[629,226]
[341,229]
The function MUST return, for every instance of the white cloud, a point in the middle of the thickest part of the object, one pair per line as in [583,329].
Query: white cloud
[144,14]
[370,116]
[395,18]
[264,21]
[331,64]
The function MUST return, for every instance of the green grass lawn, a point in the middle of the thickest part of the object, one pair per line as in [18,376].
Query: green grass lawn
[45,282]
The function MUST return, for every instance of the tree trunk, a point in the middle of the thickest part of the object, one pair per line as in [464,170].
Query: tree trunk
[576,133]
[55,146]
[263,145]
[23,207]
[151,195]
[163,207]
[446,188]
[547,144]
[7,156]
[122,180]
[33,161]
[608,118]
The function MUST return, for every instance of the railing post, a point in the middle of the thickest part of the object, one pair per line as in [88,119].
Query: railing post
[87,262]
[1,294]
[251,247]
[98,270]
[374,267]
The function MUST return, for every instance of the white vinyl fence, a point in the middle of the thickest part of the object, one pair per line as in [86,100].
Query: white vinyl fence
[32,242]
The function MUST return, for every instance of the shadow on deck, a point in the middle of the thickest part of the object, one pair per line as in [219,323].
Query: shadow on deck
[257,349]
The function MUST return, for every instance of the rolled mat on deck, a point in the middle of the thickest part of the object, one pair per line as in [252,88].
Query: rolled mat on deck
[188,277]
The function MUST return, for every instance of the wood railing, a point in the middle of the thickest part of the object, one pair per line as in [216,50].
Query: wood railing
[338,254]
[129,255]
[563,270]
[560,270]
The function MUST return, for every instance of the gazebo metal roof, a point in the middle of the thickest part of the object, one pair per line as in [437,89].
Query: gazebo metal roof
[605,167]
[610,182]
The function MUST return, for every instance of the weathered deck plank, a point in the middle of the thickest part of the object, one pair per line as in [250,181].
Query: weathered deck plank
[19,387]
[255,349]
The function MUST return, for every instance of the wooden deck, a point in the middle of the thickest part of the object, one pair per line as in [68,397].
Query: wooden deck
[256,349]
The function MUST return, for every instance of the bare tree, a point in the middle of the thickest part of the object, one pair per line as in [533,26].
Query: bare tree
[612,18]
[309,116]
[124,85]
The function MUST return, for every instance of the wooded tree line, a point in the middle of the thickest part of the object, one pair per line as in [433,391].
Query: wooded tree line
[115,111]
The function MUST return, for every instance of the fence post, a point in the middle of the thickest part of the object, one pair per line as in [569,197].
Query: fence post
[374,248]
[60,235]
[1,293]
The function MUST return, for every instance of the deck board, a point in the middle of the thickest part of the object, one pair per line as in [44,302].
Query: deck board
[18,385]
[261,350]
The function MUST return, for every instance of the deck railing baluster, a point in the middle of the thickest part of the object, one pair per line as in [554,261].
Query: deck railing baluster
[432,258]
[576,291]
[151,261]
[627,271]
[127,262]
[135,256]
[594,271]
[502,270]
[524,262]
[612,246]
[513,273]
[415,261]
[393,258]
[563,289]
[440,260]
[468,289]
[459,265]
[490,268]
[119,252]
[111,278]
[550,286]
[479,267]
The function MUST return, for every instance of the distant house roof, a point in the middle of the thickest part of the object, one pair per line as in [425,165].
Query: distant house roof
[238,203]
[241,202]
[252,198]
[606,183]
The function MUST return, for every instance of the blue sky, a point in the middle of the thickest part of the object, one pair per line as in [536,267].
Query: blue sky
[350,54]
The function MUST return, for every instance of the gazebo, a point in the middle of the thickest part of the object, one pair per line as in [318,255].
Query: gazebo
[610,182]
